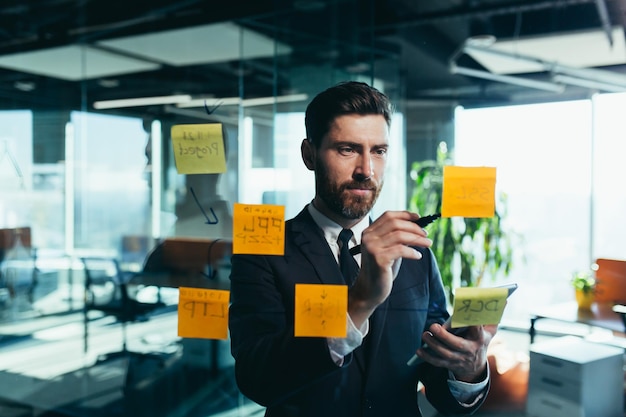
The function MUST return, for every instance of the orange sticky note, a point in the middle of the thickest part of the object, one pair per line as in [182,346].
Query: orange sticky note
[203,313]
[259,229]
[320,310]
[468,191]
[199,148]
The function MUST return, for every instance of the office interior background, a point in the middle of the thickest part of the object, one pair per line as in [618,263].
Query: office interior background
[89,92]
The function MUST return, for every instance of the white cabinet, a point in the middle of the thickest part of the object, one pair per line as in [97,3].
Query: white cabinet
[571,377]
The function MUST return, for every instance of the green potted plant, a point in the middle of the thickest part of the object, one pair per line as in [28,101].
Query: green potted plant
[467,249]
[584,285]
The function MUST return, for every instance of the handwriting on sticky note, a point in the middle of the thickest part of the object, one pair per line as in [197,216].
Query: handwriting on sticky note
[203,313]
[475,306]
[199,148]
[468,191]
[259,229]
[320,310]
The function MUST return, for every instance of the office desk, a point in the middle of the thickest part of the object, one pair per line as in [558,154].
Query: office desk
[600,315]
[194,263]
[212,354]
[175,280]
[186,262]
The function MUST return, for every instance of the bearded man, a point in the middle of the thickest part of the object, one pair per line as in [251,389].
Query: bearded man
[396,299]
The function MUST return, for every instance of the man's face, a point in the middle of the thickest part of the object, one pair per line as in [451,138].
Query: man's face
[349,167]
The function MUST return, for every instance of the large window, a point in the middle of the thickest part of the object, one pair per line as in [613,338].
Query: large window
[112,195]
[609,199]
[558,164]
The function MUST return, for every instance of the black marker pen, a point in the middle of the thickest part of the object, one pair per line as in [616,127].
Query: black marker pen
[426,220]
[421,222]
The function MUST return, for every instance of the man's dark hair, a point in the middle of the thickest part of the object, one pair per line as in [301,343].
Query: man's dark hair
[348,97]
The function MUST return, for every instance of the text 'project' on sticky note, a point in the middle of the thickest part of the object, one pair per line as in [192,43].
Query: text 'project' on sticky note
[199,148]
[468,191]
[203,313]
[478,306]
[320,310]
[258,229]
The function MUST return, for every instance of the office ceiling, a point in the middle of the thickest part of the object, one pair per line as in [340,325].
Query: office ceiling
[56,53]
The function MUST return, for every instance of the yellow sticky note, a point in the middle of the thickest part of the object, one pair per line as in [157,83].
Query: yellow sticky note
[468,191]
[475,306]
[203,313]
[320,310]
[199,148]
[259,229]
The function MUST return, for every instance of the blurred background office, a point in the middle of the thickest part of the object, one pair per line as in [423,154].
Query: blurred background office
[90,192]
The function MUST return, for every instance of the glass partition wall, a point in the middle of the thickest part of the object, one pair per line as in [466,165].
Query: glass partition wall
[88,168]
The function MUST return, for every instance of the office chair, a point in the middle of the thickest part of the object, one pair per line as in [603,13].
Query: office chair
[18,266]
[106,290]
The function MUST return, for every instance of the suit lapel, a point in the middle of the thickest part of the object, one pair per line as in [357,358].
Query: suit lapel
[309,240]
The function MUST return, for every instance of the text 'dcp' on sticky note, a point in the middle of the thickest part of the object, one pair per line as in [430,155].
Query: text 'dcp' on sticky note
[258,229]
[320,310]
[199,148]
[203,313]
[478,306]
[468,191]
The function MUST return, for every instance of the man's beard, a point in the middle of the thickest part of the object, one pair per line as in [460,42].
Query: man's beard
[341,202]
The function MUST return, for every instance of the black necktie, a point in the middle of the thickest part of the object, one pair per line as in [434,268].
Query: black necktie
[347,263]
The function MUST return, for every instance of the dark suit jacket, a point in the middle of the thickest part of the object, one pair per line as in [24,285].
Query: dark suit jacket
[296,376]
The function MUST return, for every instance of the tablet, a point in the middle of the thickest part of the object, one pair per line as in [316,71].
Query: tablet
[416,359]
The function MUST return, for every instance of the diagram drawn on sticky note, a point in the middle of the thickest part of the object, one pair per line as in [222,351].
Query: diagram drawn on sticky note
[199,148]
[258,229]
[468,191]
[478,306]
[320,310]
[203,313]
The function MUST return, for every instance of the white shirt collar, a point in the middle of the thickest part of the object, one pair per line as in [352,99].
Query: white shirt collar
[331,234]
[331,229]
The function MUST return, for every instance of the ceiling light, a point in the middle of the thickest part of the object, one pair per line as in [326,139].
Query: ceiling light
[25,86]
[358,68]
[108,83]
[523,82]
[262,101]
[503,62]
[141,101]
[204,44]
[74,63]
[248,102]
[592,84]
[592,74]
[563,48]
[210,102]
[481,40]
